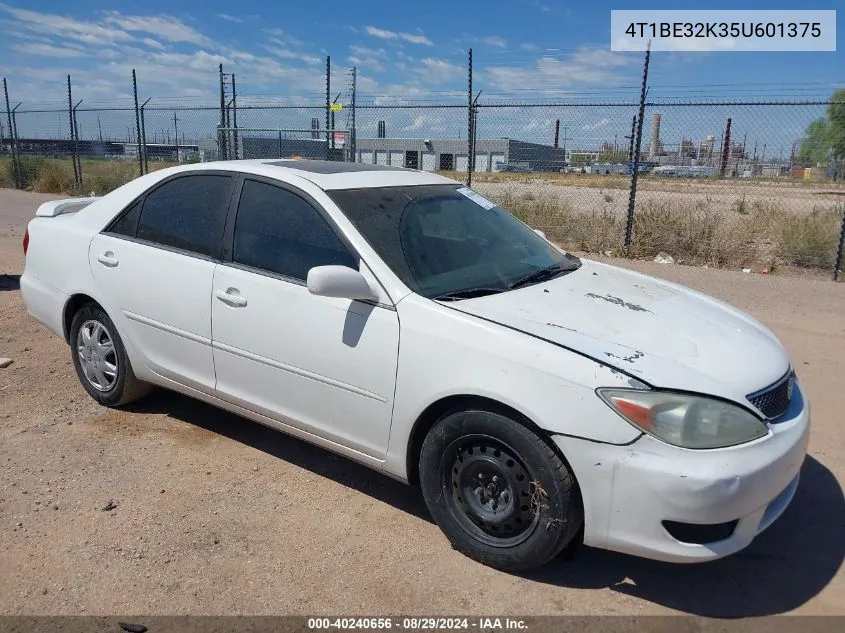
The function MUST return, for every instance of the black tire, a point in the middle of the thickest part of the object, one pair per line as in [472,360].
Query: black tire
[124,387]
[498,491]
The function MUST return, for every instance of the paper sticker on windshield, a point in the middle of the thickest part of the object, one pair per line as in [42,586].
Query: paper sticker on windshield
[477,198]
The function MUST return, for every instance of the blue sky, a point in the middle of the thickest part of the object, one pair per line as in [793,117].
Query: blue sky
[404,51]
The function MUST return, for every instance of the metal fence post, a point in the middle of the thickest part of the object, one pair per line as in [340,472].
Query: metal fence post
[76,143]
[234,117]
[329,131]
[726,149]
[221,141]
[15,144]
[837,269]
[353,150]
[632,197]
[146,165]
[72,131]
[470,140]
[138,124]
[12,139]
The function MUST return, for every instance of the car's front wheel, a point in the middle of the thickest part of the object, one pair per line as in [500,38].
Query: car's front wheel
[498,490]
[100,359]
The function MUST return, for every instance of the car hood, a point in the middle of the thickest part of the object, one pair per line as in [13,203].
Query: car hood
[661,333]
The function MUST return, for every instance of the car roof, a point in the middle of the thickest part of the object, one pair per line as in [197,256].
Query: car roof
[329,175]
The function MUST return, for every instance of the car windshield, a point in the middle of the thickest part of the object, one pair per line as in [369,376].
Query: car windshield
[449,242]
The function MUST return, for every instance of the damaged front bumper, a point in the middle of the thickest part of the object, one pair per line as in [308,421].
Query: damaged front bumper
[658,501]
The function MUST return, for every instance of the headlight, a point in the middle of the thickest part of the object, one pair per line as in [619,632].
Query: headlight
[685,420]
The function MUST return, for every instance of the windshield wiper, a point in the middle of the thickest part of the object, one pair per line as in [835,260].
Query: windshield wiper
[468,293]
[540,275]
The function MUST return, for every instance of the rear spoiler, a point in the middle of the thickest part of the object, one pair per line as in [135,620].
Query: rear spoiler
[57,207]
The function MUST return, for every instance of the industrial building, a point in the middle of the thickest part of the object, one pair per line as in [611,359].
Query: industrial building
[425,154]
[451,154]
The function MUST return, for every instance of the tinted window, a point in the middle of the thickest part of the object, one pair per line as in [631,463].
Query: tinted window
[127,223]
[187,213]
[280,232]
[442,239]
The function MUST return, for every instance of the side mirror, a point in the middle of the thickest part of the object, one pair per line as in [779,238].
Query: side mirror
[341,282]
[540,233]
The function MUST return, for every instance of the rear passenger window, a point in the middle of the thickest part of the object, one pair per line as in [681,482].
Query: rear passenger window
[187,213]
[127,223]
[280,232]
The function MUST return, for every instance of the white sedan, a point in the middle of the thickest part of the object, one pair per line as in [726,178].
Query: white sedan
[406,322]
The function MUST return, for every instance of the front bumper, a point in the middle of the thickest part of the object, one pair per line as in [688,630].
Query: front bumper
[628,491]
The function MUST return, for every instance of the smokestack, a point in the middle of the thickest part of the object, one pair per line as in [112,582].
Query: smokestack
[655,135]
[557,132]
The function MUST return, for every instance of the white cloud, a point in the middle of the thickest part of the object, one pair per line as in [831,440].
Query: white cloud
[70,28]
[152,43]
[416,39]
[438,71]
[230,18]
[365,57]
[494,40]
[284,53]
[282,38]
[529,46]
[166,27]
[48,50]
[384,34]
[585,67]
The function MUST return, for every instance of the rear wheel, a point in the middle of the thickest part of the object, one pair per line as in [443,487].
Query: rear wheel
[498,491]
[100,359]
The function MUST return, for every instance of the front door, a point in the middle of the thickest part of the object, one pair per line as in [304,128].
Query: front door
[324,365]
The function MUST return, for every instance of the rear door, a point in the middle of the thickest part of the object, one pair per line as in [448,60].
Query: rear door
[155,264]
[324,365]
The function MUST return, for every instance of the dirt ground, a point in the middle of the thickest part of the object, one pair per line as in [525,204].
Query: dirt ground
[676,193]
[217,515]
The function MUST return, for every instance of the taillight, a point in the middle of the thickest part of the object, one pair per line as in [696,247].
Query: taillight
[25,241]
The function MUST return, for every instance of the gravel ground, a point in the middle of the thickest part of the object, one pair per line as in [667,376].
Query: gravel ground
[213,514]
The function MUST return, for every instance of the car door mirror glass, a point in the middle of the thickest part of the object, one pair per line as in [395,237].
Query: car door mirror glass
[341,282]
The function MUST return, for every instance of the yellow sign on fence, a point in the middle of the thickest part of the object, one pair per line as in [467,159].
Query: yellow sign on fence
[337,107]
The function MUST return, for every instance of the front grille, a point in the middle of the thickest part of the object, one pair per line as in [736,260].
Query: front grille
[773,401]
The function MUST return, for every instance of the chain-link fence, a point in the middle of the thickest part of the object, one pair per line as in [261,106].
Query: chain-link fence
[748,185]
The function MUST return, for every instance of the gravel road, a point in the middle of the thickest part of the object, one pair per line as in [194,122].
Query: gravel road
[213,514]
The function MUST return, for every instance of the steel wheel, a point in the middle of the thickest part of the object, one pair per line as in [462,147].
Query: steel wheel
[491,490]
[97,355]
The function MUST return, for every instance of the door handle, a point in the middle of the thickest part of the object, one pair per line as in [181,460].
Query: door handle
[108,259]
[234,300]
